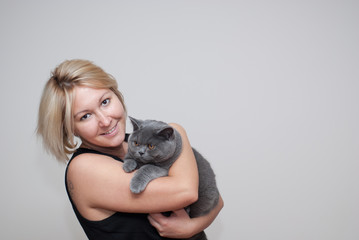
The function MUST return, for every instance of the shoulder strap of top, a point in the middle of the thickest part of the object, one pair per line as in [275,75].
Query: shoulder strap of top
[86,150]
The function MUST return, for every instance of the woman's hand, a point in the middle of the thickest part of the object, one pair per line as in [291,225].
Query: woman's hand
[180,225]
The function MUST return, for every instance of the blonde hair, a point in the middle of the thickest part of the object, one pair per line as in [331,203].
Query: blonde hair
[55,117]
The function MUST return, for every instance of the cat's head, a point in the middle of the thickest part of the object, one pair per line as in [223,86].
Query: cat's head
[151,141]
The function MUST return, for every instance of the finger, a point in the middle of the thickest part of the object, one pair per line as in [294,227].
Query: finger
[156,216]
[153,222]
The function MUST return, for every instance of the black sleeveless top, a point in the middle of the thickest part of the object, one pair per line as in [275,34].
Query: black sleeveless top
[119,226]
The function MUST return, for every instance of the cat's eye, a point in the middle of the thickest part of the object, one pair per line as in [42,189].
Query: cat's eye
[150,146]
[136,143]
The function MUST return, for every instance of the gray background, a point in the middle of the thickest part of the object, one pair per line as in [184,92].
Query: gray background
[267,91]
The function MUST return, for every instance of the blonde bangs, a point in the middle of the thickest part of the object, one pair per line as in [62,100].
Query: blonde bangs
[68,127]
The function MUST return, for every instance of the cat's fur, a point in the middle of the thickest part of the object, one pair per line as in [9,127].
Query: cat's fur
[153,147]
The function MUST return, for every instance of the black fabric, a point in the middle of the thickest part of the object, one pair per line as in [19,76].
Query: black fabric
[119,226]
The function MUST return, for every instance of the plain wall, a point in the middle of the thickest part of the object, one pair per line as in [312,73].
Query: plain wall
[267,90]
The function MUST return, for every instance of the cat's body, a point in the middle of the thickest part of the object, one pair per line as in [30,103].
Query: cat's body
[152,149]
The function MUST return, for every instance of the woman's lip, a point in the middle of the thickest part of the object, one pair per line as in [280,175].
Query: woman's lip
[111,132]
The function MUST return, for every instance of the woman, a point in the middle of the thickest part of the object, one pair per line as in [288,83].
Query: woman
[81,100]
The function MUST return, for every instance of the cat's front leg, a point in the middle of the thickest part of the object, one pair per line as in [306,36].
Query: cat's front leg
[129,165]
[144,175]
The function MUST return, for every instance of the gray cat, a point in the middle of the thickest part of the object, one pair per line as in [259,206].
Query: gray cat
[153,147]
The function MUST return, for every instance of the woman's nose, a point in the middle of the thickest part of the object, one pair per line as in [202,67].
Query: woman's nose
[103,119]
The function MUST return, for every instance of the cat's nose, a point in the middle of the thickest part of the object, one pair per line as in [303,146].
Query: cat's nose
[141,153]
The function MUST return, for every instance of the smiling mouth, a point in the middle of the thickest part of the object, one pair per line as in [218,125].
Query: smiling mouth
[110,131]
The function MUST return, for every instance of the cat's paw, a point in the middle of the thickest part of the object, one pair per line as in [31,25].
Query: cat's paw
[129,165]
[137,186]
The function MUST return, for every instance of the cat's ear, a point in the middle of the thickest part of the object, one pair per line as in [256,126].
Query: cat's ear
[166,132]
[135,123]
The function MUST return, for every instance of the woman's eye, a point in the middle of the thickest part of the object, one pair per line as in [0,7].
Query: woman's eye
[106,101]
[86,116]
[150,146]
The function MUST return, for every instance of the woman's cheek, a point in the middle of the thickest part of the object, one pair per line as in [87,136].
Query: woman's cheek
[87,130]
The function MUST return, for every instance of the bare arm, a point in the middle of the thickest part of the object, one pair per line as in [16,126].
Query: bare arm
[99,182]
[179,225]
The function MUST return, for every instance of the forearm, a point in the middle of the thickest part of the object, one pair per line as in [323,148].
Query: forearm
[184,170]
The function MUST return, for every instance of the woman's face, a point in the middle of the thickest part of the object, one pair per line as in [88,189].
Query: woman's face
[99,117]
